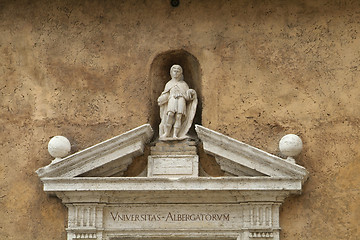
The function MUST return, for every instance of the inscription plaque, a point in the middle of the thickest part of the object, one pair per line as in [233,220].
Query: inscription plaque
[173,166]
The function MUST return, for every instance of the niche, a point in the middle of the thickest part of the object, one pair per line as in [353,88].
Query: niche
[160,75]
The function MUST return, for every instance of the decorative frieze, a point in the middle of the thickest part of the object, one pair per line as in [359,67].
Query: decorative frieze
[85,236]
[85,221]
[261,235]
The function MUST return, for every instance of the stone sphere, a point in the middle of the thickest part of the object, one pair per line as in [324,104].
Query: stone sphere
[59,147]
[290,145]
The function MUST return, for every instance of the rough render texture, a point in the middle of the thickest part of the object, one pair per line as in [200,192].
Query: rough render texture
[81,69]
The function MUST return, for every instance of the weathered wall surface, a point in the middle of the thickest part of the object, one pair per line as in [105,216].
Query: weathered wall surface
[81,69]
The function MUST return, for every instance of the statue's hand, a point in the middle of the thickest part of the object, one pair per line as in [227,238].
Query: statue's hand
[191,94]
[177,95]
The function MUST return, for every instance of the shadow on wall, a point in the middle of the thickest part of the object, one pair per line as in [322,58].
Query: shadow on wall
[160,75]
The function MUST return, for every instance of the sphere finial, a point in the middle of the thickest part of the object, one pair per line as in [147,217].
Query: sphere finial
[59,147]
[290,145]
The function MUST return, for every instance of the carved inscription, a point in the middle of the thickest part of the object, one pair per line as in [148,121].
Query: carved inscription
[173,216]
[118,216]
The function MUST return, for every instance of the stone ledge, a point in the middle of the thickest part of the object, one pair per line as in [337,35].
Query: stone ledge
[169,184]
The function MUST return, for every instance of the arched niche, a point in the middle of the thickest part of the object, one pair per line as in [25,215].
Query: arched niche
[160,75]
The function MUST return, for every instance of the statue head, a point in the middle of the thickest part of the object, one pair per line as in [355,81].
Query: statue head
[176,71]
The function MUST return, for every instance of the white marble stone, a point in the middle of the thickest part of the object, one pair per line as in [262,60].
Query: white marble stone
[243,206]
[177,107]
[59,147]
[290,145]
[100,158]
[240,159]
[173,166]
[195,184]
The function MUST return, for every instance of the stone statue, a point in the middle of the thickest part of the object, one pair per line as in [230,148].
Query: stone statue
[177,107]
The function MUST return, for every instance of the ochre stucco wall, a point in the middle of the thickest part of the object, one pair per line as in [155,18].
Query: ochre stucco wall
[268,68]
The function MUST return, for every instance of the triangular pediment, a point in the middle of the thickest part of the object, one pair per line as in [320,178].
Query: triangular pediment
[106,159]
[239,159]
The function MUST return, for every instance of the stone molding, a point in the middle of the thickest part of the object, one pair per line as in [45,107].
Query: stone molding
[240,159]
[122,149]
[102,207]
[100,184]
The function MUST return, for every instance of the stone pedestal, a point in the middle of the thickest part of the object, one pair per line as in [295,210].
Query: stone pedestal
[173,159]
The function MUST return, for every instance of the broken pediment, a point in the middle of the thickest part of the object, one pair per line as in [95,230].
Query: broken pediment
[106,159]
[239,159]
[172,200]
[246,167]
[113,156]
